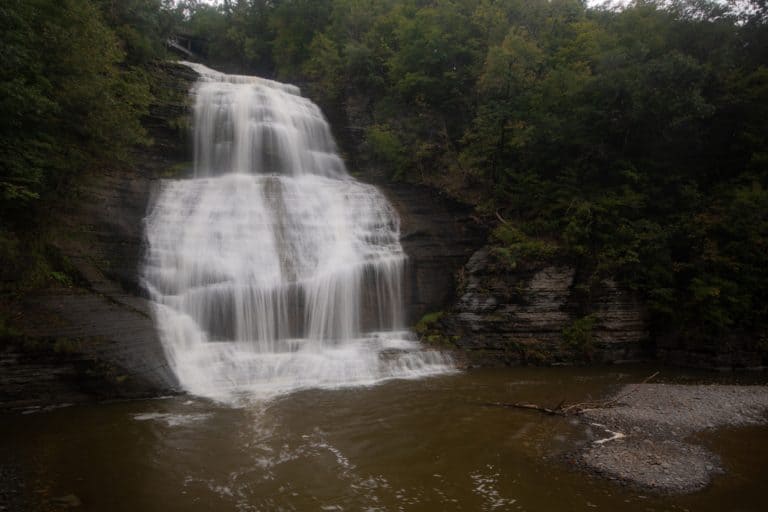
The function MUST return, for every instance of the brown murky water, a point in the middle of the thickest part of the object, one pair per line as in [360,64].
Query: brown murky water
[426,445]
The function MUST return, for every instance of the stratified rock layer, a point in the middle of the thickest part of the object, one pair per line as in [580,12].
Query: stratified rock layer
[504,317]
[95,339]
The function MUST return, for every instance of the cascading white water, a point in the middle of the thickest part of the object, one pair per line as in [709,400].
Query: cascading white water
[273,269]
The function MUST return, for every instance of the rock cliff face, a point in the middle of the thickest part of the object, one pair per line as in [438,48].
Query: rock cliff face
[537,316]
[95,337]
[438,235]
[544,316]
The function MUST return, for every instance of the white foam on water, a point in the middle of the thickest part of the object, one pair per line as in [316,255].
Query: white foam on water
[272,269]
[172,420]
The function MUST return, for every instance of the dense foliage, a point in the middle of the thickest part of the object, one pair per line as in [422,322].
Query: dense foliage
[631,140]
[72,93]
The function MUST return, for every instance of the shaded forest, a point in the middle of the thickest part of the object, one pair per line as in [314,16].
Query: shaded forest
[632,141]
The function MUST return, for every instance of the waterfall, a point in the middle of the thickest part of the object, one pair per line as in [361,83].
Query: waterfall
[272,269]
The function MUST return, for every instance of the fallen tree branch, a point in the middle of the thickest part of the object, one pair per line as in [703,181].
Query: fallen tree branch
[545,410]
[578,408]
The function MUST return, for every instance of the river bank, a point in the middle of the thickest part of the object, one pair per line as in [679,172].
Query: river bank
[647,439]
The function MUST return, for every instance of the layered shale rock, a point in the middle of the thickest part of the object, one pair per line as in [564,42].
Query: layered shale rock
[540,316]
[93,337]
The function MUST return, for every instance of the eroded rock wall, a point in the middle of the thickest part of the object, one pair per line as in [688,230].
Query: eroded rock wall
[93,337]
[507,317]
[439,235]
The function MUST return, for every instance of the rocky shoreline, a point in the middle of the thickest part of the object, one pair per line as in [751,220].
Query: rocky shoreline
[645,440]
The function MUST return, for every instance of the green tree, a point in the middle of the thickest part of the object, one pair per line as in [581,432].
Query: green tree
[67,101]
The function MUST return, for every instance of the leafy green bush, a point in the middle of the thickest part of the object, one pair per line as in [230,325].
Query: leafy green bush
[386,149]
[427,322]
[579,337]
[512,247]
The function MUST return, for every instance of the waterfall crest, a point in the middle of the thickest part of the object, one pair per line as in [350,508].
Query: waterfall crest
[272,269]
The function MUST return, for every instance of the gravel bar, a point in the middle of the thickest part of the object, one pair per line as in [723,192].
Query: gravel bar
[644,438]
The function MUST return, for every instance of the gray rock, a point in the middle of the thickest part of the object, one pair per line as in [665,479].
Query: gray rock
[659,457]
[510,317]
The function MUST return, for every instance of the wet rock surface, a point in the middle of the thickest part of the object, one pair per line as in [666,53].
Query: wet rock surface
[646,439]
[79,346]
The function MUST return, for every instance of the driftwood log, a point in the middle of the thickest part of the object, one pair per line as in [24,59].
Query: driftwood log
[563,409]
